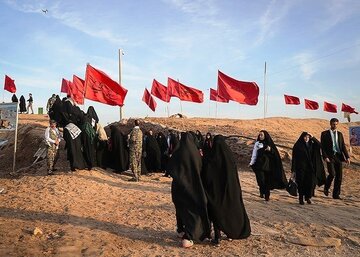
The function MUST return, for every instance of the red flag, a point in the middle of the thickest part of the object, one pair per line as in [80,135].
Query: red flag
[9,84]
[328,107]
[348,108]
[149,100]
[185,93]
[101,88]
[77,89]
[173,88]
[291,99]
[215,97]
[311,105]
[65,86]
[160,91]
[239,91]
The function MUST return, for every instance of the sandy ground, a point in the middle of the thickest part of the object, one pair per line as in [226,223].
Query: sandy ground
[99,213]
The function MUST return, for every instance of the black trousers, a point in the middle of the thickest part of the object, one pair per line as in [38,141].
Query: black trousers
[334,168]
[263,181]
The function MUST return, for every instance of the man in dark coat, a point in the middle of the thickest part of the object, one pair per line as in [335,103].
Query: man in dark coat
[187,192]
[334,152]
[307,166]
[222,186]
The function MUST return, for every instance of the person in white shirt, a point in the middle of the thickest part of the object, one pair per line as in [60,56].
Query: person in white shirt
[52,139]
[267,165]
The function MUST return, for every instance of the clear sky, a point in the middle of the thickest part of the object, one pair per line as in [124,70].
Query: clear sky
[312,50]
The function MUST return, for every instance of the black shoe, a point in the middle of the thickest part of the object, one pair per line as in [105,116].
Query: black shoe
[308,201]
[326,192]
[301,202]
[262,195]
[337,197]
[216,242]
[267,198]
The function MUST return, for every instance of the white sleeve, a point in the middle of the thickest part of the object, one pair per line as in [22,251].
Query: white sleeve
[254,153]
[47,136]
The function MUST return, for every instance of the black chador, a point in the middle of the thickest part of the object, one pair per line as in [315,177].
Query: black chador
[72,137]
[119,157]
[88,137]
[92,116]
[307,166]
[187,191]
[153,154]
[173,142]
[222,186]
[14,99]
[207,145]
[268,166]
[161,140]
[22,104]
[56,110]
[200,138]
[73,146]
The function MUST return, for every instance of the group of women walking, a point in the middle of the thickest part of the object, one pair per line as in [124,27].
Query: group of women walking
[206,190]
[307,166]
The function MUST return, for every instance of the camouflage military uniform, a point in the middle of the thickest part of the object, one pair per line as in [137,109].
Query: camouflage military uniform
[135,147]
[52,150]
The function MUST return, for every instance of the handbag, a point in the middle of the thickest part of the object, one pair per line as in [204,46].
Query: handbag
[291,187]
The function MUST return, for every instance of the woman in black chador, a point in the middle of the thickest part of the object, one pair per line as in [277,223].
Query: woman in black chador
[92,116]
[88,137]
[187,192]
[307,166]
[200,138]
[161,140]
[222,186]
[22,104]
[72,137]
[208,142]
[153,154]
[267,165]
[14,99]
[119,156]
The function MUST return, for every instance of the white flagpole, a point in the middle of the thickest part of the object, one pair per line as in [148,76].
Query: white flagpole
[16,132]
[120,53]
[209,104]
[265,91]
[168,103]
[181,110]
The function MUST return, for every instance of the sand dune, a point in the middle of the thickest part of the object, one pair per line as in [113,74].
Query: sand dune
[99,213]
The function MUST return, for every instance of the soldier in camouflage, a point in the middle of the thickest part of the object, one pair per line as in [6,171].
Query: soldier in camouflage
[50,102]
[135,147]
[52,139]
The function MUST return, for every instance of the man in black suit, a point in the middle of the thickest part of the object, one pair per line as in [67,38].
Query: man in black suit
[334,153]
